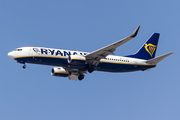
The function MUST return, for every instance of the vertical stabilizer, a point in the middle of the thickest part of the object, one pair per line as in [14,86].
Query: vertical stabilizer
[148,50]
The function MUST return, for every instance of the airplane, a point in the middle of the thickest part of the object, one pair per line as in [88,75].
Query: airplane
[75,64]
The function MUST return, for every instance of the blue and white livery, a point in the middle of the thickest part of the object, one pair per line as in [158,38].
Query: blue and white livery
[74,64]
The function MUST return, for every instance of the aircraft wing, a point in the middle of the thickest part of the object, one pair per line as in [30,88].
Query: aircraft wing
[94,57]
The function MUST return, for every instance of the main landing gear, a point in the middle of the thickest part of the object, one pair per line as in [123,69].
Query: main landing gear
[81,77]
[90,69]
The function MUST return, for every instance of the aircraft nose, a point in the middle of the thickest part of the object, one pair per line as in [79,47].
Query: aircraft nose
[10,54]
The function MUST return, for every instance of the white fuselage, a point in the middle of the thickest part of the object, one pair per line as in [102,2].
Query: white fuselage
[40,55]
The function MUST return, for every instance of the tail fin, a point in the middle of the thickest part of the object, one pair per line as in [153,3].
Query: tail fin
[148,50]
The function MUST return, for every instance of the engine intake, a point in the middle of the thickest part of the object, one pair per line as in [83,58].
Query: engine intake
[74,59]
[60,72]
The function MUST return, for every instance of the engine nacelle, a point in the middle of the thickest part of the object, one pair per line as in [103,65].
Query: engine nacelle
[76,59]
[60,72]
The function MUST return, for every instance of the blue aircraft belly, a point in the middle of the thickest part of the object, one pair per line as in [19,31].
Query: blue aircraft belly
[63,62]
[43,61]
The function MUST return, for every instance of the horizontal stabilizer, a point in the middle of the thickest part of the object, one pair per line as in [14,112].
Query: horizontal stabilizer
[158,59]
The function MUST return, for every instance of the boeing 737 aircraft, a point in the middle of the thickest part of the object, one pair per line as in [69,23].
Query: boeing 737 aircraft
[74,64]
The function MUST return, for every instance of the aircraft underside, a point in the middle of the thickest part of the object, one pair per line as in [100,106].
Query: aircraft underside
[105,67]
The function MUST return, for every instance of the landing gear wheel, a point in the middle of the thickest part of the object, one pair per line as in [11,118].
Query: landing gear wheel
[81,77]
[90,70]
[24,66]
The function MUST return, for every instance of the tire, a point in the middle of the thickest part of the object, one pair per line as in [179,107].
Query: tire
[81,77]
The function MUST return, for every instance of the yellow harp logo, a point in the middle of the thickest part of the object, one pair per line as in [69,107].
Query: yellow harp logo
[150,48]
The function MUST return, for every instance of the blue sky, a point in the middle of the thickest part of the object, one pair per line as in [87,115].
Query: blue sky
[86,26]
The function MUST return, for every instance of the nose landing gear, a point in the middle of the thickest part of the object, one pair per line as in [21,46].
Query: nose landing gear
[24,66]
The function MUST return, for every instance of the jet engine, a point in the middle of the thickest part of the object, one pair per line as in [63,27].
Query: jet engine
[61,72]
[76,59]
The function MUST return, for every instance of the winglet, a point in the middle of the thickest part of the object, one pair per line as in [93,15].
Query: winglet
[135,32]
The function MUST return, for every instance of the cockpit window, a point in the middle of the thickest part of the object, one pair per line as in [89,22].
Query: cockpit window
[18,49]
